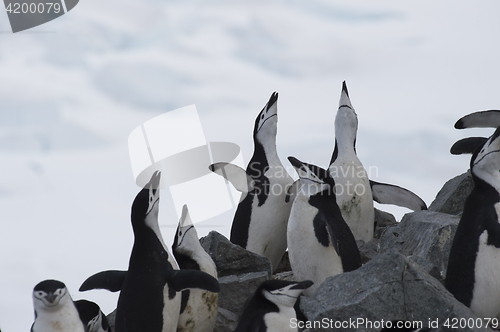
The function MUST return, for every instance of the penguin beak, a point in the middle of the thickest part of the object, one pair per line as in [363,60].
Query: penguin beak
[270,110]
[185,220]
[155,180]
[303,284]
[51,297]
[345,101]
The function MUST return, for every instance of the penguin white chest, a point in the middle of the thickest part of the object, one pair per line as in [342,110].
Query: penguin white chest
[200,312]
[309,259]
[280,321]
[171,310]
[62,320]
[486,295]
[267,231]
[354,196]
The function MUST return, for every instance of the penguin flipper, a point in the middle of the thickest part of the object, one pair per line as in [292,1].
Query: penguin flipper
[111,280]
[482,119]
[344,243]
[179,280]
[384,193]
[468,145]
[234,174]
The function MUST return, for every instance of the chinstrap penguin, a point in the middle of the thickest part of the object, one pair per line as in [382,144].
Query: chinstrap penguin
[320,244]
[54,309]
[474,261]
[149,299]
[260,221]
[355,192]
[198,307]
[271,307]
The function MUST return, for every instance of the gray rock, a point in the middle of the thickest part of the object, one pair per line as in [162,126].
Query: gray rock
[232,259]
[235,290]
[428,267]
[383,220]
[426,234]
[368,250]
[226,321]
[388,288]
[287,275]
[451,198]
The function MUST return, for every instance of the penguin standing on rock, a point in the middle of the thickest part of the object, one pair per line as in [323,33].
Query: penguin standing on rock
[149,299]
[474,261]
[320,244]
[271,307]
[260,221]
[198,307]
[355,192]
[54,309]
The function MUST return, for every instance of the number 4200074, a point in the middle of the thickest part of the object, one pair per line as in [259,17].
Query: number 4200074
[24,8]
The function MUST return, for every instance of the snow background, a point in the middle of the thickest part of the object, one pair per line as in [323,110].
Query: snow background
[73,89]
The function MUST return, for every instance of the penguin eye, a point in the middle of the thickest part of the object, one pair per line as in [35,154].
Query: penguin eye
[40,293]
[180,232]
[262,117]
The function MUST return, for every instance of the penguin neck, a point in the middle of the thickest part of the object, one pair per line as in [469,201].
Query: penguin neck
[203,260]
[150,222]
[489,185]
[345,139]
[265,151]
[142,234]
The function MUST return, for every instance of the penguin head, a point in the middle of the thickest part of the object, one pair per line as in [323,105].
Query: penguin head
[91,316]
[346,121]
[283,292]
[485,162]
[186,237]
[311,183]
[266,123]
[146,204]
[98,323]
[50,295]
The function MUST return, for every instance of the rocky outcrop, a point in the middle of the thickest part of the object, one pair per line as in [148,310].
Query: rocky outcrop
[427,235]
[383,220]
[232,259]
[451,198]
[388,288]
